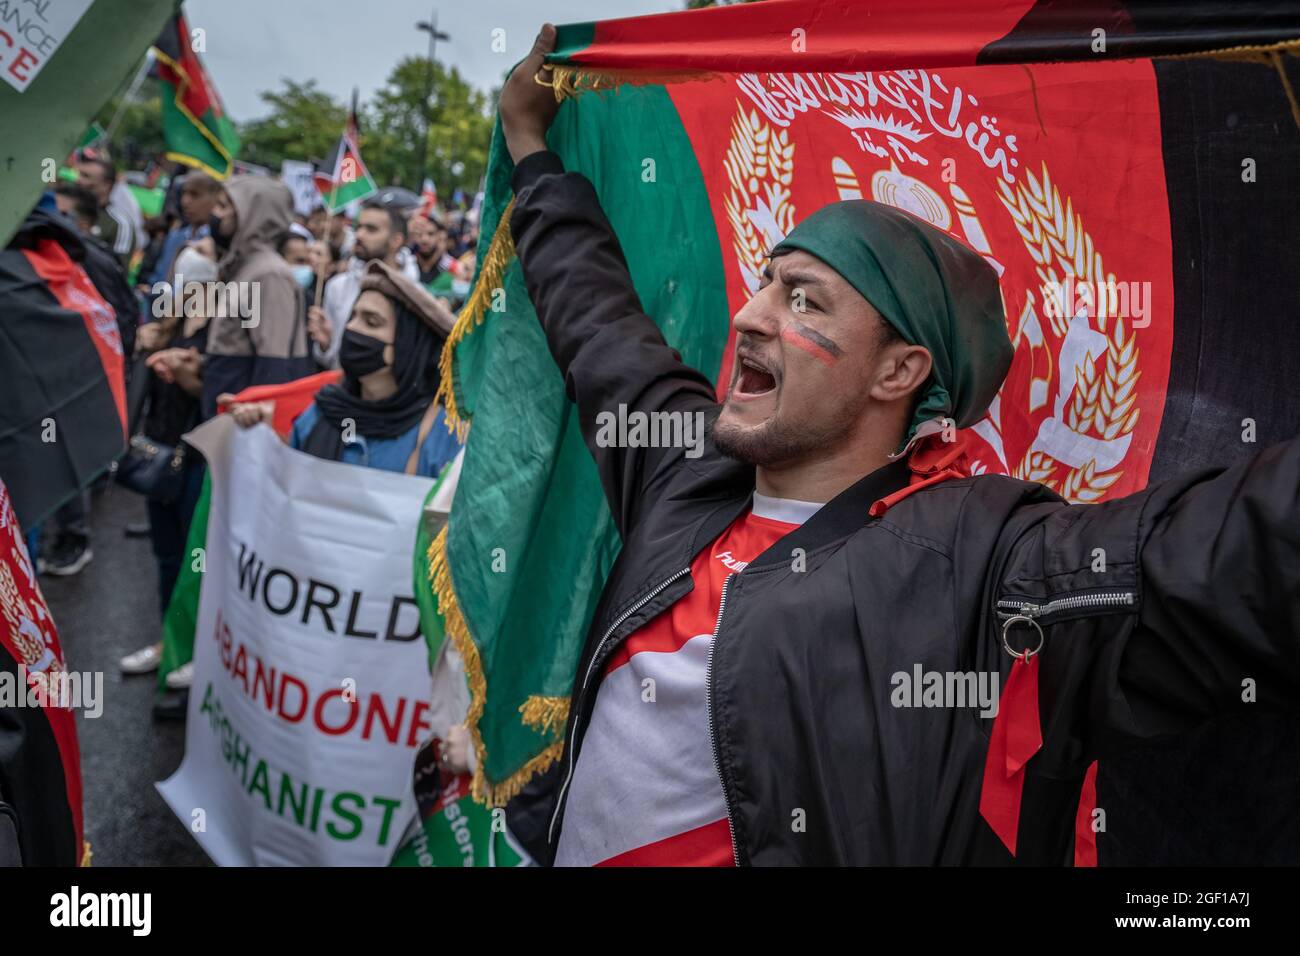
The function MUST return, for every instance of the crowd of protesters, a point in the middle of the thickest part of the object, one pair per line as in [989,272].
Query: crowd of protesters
[369,291]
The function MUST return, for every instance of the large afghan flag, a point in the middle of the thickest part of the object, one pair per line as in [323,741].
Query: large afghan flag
[1147,154]
[195,126]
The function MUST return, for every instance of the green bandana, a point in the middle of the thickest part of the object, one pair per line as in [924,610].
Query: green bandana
[935,291]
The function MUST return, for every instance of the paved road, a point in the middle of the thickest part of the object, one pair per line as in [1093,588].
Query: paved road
[106,611]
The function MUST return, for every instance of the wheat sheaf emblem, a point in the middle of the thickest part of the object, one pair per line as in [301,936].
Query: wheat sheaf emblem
[1104,402]
[760,168]
[15,609]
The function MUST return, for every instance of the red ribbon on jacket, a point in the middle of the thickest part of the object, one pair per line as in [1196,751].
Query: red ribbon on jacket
[1085,837]
[1017,731]
[932,460]
[1017,736]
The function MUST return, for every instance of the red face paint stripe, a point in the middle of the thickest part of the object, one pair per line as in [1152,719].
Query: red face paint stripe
[800,340]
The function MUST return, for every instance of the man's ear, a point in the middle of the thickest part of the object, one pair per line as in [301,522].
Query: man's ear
[900,370]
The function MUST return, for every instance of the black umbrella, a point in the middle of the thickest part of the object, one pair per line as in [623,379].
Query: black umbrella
[396,197]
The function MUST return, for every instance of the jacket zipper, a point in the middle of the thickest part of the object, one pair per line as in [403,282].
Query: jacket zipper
[708,704]
[573,734]
[1074,602]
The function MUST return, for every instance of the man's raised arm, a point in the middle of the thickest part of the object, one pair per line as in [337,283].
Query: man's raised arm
[610,352]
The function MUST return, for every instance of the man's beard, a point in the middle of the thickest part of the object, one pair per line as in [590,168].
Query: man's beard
[364,254]
[778,441]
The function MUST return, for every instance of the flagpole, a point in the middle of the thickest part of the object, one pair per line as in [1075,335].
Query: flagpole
[351,133]
[429,26]
[129,96]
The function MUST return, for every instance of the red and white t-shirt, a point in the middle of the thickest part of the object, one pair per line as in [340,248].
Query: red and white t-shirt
[645,791]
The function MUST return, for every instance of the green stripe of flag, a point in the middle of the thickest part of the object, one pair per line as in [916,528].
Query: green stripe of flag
[529,486]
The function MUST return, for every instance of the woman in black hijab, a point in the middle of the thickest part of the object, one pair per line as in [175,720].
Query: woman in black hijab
[382,414]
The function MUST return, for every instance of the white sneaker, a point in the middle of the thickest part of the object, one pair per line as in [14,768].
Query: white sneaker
[181,678]
[143,661]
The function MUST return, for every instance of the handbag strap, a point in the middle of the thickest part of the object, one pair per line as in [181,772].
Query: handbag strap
[426,423]
[137,393]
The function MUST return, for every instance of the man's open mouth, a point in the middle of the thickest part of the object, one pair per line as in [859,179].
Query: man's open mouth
[755,379]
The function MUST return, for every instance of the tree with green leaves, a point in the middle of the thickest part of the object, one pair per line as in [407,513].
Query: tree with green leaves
[460,128]
[138,136]
[303,123]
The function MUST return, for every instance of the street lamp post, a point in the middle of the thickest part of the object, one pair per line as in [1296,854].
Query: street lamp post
[430,27]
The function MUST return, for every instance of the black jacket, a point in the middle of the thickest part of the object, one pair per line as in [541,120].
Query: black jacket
[1200,592]
[109,280]
[101,266]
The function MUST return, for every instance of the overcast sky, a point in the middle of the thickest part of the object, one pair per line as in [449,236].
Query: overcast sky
[251,44]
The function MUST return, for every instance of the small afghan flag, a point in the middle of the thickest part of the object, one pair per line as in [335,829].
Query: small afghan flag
[195,126]
[428,198]
[344,177]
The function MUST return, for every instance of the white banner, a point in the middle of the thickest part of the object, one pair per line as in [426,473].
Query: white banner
[297,175]
[311,687]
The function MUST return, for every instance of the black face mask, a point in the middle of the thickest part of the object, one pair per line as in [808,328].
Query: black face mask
[214,229]
[360,354]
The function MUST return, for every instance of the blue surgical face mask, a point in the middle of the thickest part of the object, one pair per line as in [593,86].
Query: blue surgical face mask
[304,274]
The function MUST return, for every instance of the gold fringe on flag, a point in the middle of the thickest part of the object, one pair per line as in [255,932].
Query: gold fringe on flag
[545,714]
[543,711]
[490,277]
[569,81]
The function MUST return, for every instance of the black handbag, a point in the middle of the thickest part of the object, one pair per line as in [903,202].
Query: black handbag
[151,468]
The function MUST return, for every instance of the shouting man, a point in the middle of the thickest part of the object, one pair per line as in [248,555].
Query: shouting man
[831,538]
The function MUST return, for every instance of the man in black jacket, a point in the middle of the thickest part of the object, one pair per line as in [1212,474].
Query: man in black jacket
[106,273]
[783,596]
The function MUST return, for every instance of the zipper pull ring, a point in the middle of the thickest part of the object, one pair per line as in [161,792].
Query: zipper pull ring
[1025,654]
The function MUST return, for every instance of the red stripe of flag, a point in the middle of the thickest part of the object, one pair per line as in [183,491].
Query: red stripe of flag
[778,36]
[72,288]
